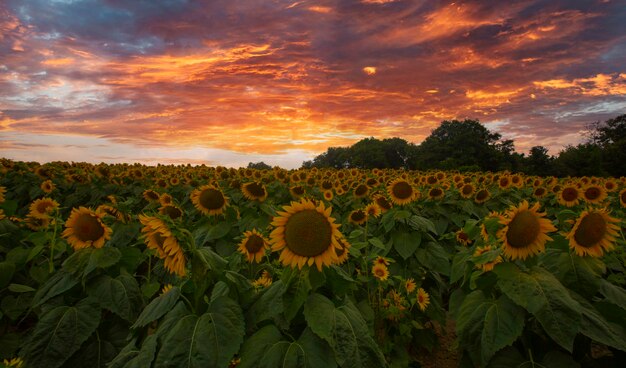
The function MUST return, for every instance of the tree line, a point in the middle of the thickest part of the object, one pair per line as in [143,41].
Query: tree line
[469,146]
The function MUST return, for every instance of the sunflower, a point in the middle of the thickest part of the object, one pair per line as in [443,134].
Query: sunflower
[467,190]
[361,191]
[569,196]
[594,193]
[35,223]
[159,237]
[525,231]
[462,237]
[328,195]
[165,199]
[106,209]
[410,285]
[593,233]
[150,195]
[482,196]
[253,246]
[504,182]
[401,192]
[373,210]
[264,281]
[539,192]
[47,186]
[305,234]
[381,260]
[358,217]
[382,203]
[423,299]
[380,271]
[209,200]
[13,363]
[343,251]
[166,289]
[254,191]
[487,266]
[622,197]
[2,191]
[172,211]
[43,207]
[297,191]
[436,193]
[84,228]
[2,215]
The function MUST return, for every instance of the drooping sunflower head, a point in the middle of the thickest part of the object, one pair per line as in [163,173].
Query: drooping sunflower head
[160,238]
[171,211]
[358,217]
[151,196]
[525,231]
[305,234]
[594,193]
[482,196]
[254,191]
[209,200]
[401,192]
[569,196]
[84,228]
[253,246]
[382,203]
[43,208]
[593,233]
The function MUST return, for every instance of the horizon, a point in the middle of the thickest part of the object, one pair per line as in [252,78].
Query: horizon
[227,83]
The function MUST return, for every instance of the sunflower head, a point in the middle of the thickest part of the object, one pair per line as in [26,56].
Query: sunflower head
[401,192]
[43,208]
[462,237]
[209,200]
[254,191]
[166,199]
[380,271]
[84,228]
[47,186]
[467,190]
[594,193]
[436,193]
[253,246]
[525,231]
[171,211]
[361,191]
[358,217]
[423,299]
[593,233]
[373,210]
[328,195]
[622,197]
[151,196]
[482,196]
[305,233]
[159,237]
[382,203]
[343,250]
[569,196]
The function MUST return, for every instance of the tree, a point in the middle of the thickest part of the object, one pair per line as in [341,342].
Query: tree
[584,159]
[461,143]
[539,162]
[610,136]
[259,165]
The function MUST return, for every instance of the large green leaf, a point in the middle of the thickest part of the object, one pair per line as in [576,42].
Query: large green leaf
[158,307]
[434,258]
[60,333]
[6,273]
[406,243]
[298,288]
[133,357]
[595,326]
[422,224]
[254,349]
[613,293]
[269,304]
[345,331]
[120,295]
[541,294]
[86,260]
[210,340]
[309,351]
[59,283]
[504,323]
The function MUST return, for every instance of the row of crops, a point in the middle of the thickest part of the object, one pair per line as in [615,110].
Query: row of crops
[181,266]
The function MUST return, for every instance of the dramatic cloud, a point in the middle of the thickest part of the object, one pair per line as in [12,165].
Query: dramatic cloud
[281,81]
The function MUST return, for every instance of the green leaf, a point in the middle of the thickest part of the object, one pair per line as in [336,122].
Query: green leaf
[212,260]
[345,331]
[309,351]
[406,243]
[6,273]
[148,290]
[557,359]
[298,288]
[423,224]
[158,307]
[18,288]
[132,357]
[210,340]
[595,326]
[435,258]
[254,348]
[85,260]
[541,294]
[60,333]
[269,305]
[120,295]
[459,265]
[218,231]
[377,243]
[401,215]
[613,293]
[57,284]
[509,358]
[504,323]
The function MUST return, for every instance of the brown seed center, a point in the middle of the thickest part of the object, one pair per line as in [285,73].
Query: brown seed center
[402,190]
[523,230]
[308,233]
[88,228]
[254,243]
[591,230]
[212,199]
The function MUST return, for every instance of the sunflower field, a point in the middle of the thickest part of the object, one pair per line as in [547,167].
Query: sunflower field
[194,266]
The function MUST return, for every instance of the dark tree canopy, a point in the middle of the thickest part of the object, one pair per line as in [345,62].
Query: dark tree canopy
[469,146]
[259,165]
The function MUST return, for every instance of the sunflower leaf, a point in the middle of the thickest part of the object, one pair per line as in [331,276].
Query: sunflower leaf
[157,308]
[541,294]
[406,243]
[60,333]
[120,295]
[210,340]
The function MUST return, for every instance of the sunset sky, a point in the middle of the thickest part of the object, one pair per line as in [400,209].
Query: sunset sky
[226,82]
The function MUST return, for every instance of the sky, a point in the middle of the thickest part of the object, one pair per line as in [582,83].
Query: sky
[227,82]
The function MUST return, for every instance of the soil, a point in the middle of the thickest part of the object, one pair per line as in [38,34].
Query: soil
[443,356]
